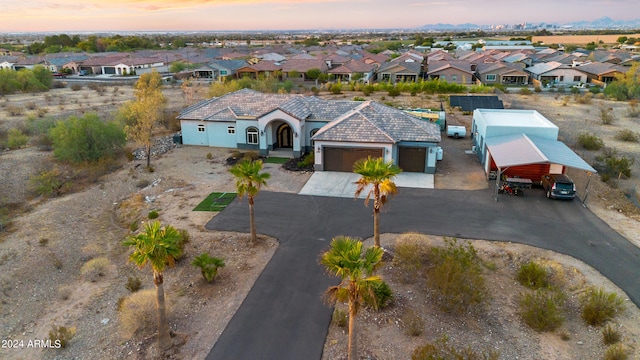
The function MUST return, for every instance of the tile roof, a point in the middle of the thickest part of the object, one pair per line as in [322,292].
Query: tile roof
[375,122]
[348,120]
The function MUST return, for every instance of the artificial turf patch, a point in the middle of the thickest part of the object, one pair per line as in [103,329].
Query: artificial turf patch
[275,160]
[215,202]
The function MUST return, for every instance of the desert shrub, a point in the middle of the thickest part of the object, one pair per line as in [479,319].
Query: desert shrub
[358,98]
[542,310]
[153,214]
[634,108]
[380,297]
[209,156]
[575,91]
[31,105]
[133,284]
[87,139]
[410,256]
[590,141]
[616,352]
[49,182]
[610,335]
[599,306]
[13,110]
[16,138]
[627,135]
[606,115]
[525,91]
[393,92]
[94,269]
[594,90]
[537,89]
[64,292]
[208,266]
[76,87]
[565,100]
[340,318]
[610,164]
[138,314]
[335,88]
[584,99]
[62,335]
[440,349]
[413,323]
[533,276]
[455,275]
[561,89]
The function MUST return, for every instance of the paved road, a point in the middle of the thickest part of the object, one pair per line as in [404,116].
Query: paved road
[283,316]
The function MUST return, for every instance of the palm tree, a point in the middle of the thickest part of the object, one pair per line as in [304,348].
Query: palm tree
[249,180]
[347,260]
[376,172]
[159,247]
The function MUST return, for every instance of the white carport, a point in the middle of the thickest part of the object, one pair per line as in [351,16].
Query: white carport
[520,149]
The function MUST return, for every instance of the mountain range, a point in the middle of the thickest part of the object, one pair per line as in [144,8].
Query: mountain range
[598,24]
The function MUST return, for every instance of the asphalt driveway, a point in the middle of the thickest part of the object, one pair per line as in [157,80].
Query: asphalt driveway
[283,316]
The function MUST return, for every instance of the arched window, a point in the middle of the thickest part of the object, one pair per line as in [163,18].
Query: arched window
[313,132]
[252,136]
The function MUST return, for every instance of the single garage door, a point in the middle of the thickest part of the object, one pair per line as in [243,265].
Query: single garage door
[342,159]
[412,159]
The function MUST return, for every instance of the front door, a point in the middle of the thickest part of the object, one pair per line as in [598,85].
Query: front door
[285,136]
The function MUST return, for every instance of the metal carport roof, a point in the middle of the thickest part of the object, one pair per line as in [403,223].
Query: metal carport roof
[521,149]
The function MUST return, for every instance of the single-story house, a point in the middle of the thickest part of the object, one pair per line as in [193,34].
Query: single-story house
[501,73]
[555,73]
[602,72]
[338,132]
[520,143]
[458,72]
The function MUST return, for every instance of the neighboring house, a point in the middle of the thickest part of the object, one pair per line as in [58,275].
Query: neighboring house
[399,71]
[346,130]
[555,73]
[601,72]
[94,65]
[221,69]
[301,66]
[353,69]
[30,62]
[262,68]
[459,72]
[520,143]
[275,57]
[7,62]
[335,60]
[501,73]
[523,59]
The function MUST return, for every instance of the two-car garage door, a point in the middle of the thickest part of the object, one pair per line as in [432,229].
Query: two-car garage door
[342,159]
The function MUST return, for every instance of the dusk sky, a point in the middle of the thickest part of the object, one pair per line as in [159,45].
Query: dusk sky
[203,15]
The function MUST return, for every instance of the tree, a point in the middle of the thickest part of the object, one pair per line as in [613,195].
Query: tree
[159,247]
[625,86]
[86,139]
[249,180]
[147,111]
[378,173]
[347,260]
[622,39]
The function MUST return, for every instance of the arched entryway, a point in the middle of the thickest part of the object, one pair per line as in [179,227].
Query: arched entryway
[285,136]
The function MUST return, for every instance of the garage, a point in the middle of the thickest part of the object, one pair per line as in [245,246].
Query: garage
[342,159]
[412,159]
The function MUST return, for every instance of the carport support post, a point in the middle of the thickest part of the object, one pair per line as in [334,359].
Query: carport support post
[586,189]
[498,177]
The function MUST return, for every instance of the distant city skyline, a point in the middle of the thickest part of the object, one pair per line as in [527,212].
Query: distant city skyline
[211,15]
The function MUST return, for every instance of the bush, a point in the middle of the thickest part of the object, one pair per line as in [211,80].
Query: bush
[16,139]
[94,269]
[138,314]
[533,276]
[413,323]
[49,182]
[616,352]
[208,266]
[542,310]
[393,92]
[584,99]
[599,306]
[153,214]
[340,318]
[76,87]
[627,135]
[590,141]
[441,350]
[525,91]
[410,256]
[455,275]
[610,335]
[606,115]
[382,295]
[64,292]
[62,335]
[133,284]
[537,89]
[307,161]
[611,165]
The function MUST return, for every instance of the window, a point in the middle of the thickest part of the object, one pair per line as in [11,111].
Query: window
[491,77]
[561,77]
[201,128]
[252,136]
[454,77]
[577,78]
[231,130]
[223,72]
[313,132]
